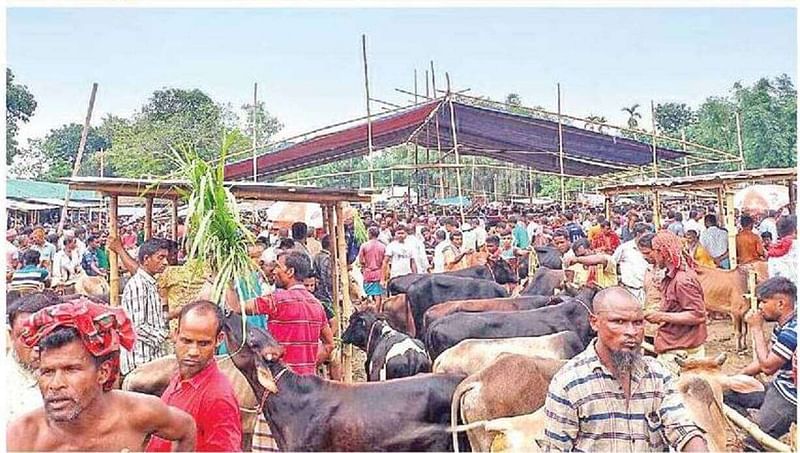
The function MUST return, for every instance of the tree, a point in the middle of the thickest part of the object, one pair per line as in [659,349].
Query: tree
[20,105]
[597,123]
[513,99]
[53,157]
[633,115]
[672,118]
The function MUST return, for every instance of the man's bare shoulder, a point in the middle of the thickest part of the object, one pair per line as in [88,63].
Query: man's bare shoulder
[141,410]
[21,433]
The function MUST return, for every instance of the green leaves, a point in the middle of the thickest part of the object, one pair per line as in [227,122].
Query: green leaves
[20,105]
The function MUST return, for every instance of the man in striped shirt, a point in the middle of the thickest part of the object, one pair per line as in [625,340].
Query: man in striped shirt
[144,306]
[610,397]
[778,404]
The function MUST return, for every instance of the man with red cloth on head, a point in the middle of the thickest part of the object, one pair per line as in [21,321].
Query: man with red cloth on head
[296,320]
[199,388]
[79,345]
[681,318]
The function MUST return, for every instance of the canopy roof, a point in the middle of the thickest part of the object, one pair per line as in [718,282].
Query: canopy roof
[705,182]
[480,131]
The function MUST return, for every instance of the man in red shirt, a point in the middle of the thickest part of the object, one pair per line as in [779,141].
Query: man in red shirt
[296,320]
[370,257]
[199,388]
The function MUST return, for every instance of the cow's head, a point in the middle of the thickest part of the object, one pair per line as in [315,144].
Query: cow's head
[706,364]
[358,329]
[502,271]
[252,353]
[711,370]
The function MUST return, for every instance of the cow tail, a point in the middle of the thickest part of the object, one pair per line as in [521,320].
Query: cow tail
[454,410]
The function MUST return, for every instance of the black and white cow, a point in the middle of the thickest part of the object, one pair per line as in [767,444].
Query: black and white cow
[390,354]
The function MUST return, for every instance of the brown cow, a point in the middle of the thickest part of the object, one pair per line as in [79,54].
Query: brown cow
[494,304]
[153,378]
[395,309]
[510,386]
[724,292]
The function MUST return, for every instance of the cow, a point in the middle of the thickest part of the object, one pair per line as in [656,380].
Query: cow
[702,383]
[307,413]
[512,385]
[544,282]
[725,292]
[439,288]
[520,433]
[470,356]
[390,354]
[397,313]
[547,257]
[571,314]
[478,305]
[91,286]
[153,378]
[498,270]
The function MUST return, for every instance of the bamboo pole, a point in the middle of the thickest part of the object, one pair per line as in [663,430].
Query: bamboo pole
[426,175]
[369,116]
[438,137]
[453,129]
[344,278]
[767,441]
[561,150]
[81,145]
[330,222]
[416,151]
[174,215]
[655,153]
[148,218]
[739,140]
[113,259]
[685,159]
[255,132]
[730,225]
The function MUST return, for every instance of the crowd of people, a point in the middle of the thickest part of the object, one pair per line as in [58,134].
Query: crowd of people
[78,350]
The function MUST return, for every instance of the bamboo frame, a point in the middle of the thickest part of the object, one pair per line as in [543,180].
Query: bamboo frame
[344,278]
[655,148]
[113,259]
[739,139]
[369,115]
[438,137]
[770,443]
[730,225]
[453,128]
[148,218]
[561,150]
[174,216]
[255,132]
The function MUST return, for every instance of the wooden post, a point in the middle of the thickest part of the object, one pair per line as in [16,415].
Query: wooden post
[113,259]
[416,151]
[685,159]
[148,218]
[656,209]
[455,148]
[730,225]
[739,140]
[81,145]
[438,138]
[330,223]
[561,150]
[344,278]
[174,206]
[607,206]
[255,132]
[655,157]
[369,116]
[720,205]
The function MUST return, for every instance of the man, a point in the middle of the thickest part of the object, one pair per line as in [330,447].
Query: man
[31,276]
[141,300]
[696,251]
[12,253]
[534,228]
[79,346]
[385,235]
[456,258]
[563,244]
[300,235]
[296,320]
[521,237]
[80,237]
[715,240]
[65,262]
[370,258]
[769,223]
[632,265]
[783,255]
[610,397]
[595,228]
[470,238]
[575,231]
[21,362]
[777,298]
[627,230]
[681,318]
[438,251]
[693,223]
[749,247]
[605,240]
[420,257]
[323,268]
[591,267]
[312,244]
[400,258]
[676,226]
[89,261]
[47,251]
[199,388]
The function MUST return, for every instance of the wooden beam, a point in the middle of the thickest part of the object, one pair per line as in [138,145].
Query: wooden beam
[344,279]
[174,212]
[730,225]
[113,259]
[148,218]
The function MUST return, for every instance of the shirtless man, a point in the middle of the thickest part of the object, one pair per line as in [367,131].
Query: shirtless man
[81,411]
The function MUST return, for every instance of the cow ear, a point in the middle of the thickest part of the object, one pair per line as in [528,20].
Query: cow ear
[720,359]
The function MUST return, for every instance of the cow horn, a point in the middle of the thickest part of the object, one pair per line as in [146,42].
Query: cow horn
[680,361]
[720,359]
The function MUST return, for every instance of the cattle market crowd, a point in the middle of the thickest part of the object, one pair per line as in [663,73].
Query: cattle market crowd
[502,328]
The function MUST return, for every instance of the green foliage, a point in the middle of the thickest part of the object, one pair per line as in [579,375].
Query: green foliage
[633,115]
[672,118]
[20,106]
[601,120]
[55,154]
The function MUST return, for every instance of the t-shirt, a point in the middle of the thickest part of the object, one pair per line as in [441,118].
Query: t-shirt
[401,255]
[89,258]
[47,251]
[28,275]
[521,238]
[575,231]
[784,342]
[372,253]
[715,240]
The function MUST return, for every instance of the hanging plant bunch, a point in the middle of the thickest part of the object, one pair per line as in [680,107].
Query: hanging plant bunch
[216,232]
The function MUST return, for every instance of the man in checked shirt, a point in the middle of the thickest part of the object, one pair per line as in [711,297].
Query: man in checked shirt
[610,397]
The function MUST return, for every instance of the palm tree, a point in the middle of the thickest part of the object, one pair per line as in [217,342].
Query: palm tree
[595,121]
[513,99]
[634,116]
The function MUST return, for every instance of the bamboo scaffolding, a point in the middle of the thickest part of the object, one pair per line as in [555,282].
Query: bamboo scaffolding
[438,137]
[561,150]
[174,215]
[344,279]
[113,258]
[655,149]
[330,223]
[453,128]
[739,139]
[369,116]
[255,132]
[148,218]
[416,150]
[81,145]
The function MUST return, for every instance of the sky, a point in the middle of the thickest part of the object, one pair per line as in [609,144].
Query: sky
[308,66]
